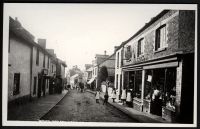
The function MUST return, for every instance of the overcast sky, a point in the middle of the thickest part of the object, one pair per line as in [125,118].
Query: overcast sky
[79,31]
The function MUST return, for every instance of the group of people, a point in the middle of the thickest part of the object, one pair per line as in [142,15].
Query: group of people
[80,86]
[106,96]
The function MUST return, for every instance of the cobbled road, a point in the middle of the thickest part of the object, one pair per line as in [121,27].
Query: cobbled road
[82,107]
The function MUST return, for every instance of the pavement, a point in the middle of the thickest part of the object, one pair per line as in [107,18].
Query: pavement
[134,114]
[33,111]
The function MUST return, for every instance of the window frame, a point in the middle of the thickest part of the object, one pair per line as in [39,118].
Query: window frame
[117,59]
[160,45]
[140,51]
[37,57]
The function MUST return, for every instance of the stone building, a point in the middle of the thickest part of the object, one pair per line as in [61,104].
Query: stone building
[160,57]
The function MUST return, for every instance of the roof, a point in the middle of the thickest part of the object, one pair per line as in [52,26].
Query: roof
[90,69]
[108,58]
[74,76]
[103,56]
[144,27]
[62,62]
[18,30]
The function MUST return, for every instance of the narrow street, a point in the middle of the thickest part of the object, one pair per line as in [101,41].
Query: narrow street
[76,106]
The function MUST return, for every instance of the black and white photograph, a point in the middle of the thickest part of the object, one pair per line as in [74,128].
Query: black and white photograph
[99,65]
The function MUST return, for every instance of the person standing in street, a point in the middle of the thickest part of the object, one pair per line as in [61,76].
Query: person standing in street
[113,95]
[105,98]
[97,96]
[123,98]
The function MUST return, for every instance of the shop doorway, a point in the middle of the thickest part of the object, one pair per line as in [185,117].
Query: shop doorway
[39,86]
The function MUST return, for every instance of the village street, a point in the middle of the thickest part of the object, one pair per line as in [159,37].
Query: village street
[77,106]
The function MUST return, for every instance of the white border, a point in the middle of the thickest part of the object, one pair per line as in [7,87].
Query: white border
[87,124]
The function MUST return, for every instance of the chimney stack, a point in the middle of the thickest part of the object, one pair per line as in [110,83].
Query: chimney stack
[51,51]
[42,43]
[105,52]
[115,48]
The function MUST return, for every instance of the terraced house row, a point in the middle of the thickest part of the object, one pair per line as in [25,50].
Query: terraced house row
[158,56]
[33,70]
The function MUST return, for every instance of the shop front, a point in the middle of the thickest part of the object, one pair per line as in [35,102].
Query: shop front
[155,86]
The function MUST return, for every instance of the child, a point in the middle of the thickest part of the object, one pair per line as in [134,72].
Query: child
[123,97]
[105,98]
[97,96]
[113,94]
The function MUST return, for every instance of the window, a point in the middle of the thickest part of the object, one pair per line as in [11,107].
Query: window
[118,60]
[44,61]
[35,83]
[120,81]
[37,57]
[140,47]
[16,83]
[160,38]
[48,63]
[121,61]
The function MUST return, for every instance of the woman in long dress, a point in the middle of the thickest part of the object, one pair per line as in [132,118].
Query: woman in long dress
[113,95]
[123,97]
[97,96]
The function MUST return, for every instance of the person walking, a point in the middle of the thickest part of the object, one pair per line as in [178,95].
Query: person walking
[113,95]
[105,98]
[123,97]
[97,96]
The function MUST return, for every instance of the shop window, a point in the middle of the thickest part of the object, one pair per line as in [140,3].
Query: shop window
[140,47]
[138,84]
[16,84]
[164,80]
[37,57]
[34,87]
[161,38]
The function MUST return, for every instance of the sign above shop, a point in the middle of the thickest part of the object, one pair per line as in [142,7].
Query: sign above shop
[128,53]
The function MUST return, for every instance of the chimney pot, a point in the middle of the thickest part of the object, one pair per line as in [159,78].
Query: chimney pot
[42,43]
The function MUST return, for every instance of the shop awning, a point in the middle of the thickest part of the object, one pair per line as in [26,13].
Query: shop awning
[91,80]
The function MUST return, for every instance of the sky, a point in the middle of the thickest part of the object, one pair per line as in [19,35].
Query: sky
[77,32]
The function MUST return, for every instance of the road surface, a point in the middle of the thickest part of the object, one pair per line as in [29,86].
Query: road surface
[82,107]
